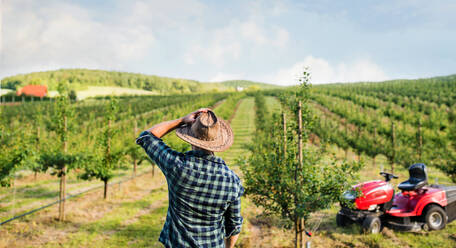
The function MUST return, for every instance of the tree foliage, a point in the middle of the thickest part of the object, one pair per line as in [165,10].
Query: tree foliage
[106,157]
[273,177]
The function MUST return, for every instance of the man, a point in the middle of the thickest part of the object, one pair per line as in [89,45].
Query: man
[204,194]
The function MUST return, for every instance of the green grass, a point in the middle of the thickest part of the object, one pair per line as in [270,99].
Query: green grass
[243,125]
[113,231]
[36,194]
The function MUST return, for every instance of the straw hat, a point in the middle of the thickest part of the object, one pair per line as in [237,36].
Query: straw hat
[207,132]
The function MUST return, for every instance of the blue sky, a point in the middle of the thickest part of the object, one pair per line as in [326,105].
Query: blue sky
[268,41]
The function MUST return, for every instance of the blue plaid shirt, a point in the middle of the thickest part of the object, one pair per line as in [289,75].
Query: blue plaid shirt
[204,196]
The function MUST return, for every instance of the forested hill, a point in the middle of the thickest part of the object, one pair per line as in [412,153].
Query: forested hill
[80,79]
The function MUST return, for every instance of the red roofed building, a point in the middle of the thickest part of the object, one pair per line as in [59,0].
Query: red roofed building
[33,90]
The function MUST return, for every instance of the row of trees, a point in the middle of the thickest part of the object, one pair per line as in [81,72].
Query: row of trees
[93,108]
[373,131]
[439,90]
[412,141]
[406,110]
[62,137]
[286,174]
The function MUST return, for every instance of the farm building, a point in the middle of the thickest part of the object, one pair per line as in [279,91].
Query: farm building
[33,90]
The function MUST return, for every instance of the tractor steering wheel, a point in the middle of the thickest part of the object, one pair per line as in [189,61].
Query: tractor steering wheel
[388,176]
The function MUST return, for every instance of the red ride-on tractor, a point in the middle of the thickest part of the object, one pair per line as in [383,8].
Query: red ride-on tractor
[418,205]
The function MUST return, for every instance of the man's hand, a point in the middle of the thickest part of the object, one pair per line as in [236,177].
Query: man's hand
[229,242]
[163,128]
[190,118]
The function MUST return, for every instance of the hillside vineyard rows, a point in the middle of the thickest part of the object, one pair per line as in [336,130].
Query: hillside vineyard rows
[387,126]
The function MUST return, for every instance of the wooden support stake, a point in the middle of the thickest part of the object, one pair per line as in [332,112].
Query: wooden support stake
[375,144]
[38,133]
[298,169]
[346,135]
[420,140]
[393,143]
[63,175]
[105,194]
[135,164]
[284,135]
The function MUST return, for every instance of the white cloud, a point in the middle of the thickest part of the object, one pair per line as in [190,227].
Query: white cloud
[324,72]
[251,31]
[229,42]
[163,15]
[282,37]
[60,35]
[1,31]
[223,47]
[224,77]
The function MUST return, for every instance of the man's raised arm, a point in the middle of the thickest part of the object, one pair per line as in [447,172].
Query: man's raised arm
[161,129]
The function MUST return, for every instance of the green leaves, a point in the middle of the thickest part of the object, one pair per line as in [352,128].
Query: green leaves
[106,156]
[56,160]
[273,177]
[19,155]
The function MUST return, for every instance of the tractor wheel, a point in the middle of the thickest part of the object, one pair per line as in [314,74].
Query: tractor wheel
[372,224]
[435,218]
[342,220]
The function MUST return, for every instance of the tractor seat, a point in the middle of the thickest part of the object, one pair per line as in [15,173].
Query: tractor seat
[418,178]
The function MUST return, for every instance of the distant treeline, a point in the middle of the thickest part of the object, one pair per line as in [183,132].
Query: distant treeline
[80,79]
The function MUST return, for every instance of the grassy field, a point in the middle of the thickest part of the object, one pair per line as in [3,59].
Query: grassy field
[30,193]
[243,125]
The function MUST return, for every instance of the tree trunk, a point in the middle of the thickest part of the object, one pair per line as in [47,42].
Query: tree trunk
[346,135]
[284,135]
[38,134]
[358,135]
[109,137]
[299,226]
[135,164]
[296,224]
[420,140]
[14,194]
[153,170]
[302,233]
[300,134]
[105,193]
[375,143]
[63,176]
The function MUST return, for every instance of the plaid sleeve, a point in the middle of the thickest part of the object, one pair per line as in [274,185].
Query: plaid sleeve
[233,218]
[165,157]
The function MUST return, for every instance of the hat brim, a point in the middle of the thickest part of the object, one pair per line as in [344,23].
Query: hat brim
[222,142]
